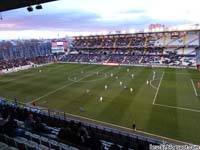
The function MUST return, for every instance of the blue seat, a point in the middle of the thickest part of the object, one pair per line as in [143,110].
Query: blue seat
[30,145]
[44,141]
[54,144]
[35,138]
[9,140]
[28,135]
[20,143]
[10,148]
[2,138]
[106,144]
[63,146]
[73,148]
[42,147]
[20,123]
[3,145]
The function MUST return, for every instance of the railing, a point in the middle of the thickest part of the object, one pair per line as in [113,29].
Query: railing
[88,123]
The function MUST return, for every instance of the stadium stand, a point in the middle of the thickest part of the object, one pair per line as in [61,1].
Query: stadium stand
[18,53]
[165,49]
[161,49]
[26,127]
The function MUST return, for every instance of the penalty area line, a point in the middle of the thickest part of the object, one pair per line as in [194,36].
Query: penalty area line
[158,88]
[181,108]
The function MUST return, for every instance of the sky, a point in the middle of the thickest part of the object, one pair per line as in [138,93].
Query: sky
[79,17]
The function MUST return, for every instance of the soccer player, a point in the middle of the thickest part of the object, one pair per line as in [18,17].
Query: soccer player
[87,91]
[154,74]
[101,99]
[116,77]
[131,90]
[106,87]
[111,74]
[81,109]
[127,70]
[132,75]
[198,84]
[147,82]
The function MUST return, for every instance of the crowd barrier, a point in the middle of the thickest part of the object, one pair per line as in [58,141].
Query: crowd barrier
[137,65]
[86,122]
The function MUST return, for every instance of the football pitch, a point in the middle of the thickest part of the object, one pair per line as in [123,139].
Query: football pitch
[160,101]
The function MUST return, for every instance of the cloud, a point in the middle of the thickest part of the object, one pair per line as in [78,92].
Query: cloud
[8,25]
[99,15]
[133,11]
[41,21]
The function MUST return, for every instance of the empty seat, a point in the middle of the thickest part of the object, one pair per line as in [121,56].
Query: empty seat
[106,144]
[2,139]
[21,139]
[54,144]
[30,145]
[9,140]
[3,145]
[10,148]
[20,143]
[35,138]
[20,124]
[42,147]
[44,141]
[73,148]
[28,135]
[52,136]
[63,146]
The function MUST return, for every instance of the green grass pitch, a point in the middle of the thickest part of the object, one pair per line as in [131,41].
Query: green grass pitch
[168,106]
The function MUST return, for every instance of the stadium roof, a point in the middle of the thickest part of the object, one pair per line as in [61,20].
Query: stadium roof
[14,4]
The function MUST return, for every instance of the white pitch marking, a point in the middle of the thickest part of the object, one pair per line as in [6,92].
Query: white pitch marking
[17,78]
[152,84]
[58,89]
[195,91]
[181,108]
[182,73]
[125,128]
[158,88]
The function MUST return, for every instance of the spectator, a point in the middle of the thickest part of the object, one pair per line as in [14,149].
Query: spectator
[29,122]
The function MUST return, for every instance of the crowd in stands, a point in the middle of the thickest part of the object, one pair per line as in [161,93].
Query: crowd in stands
[135,49]
[143,56]
[17,53]
[156,49]
[18,122]
[12,63]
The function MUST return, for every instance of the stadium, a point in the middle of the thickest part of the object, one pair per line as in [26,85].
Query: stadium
[137,90]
